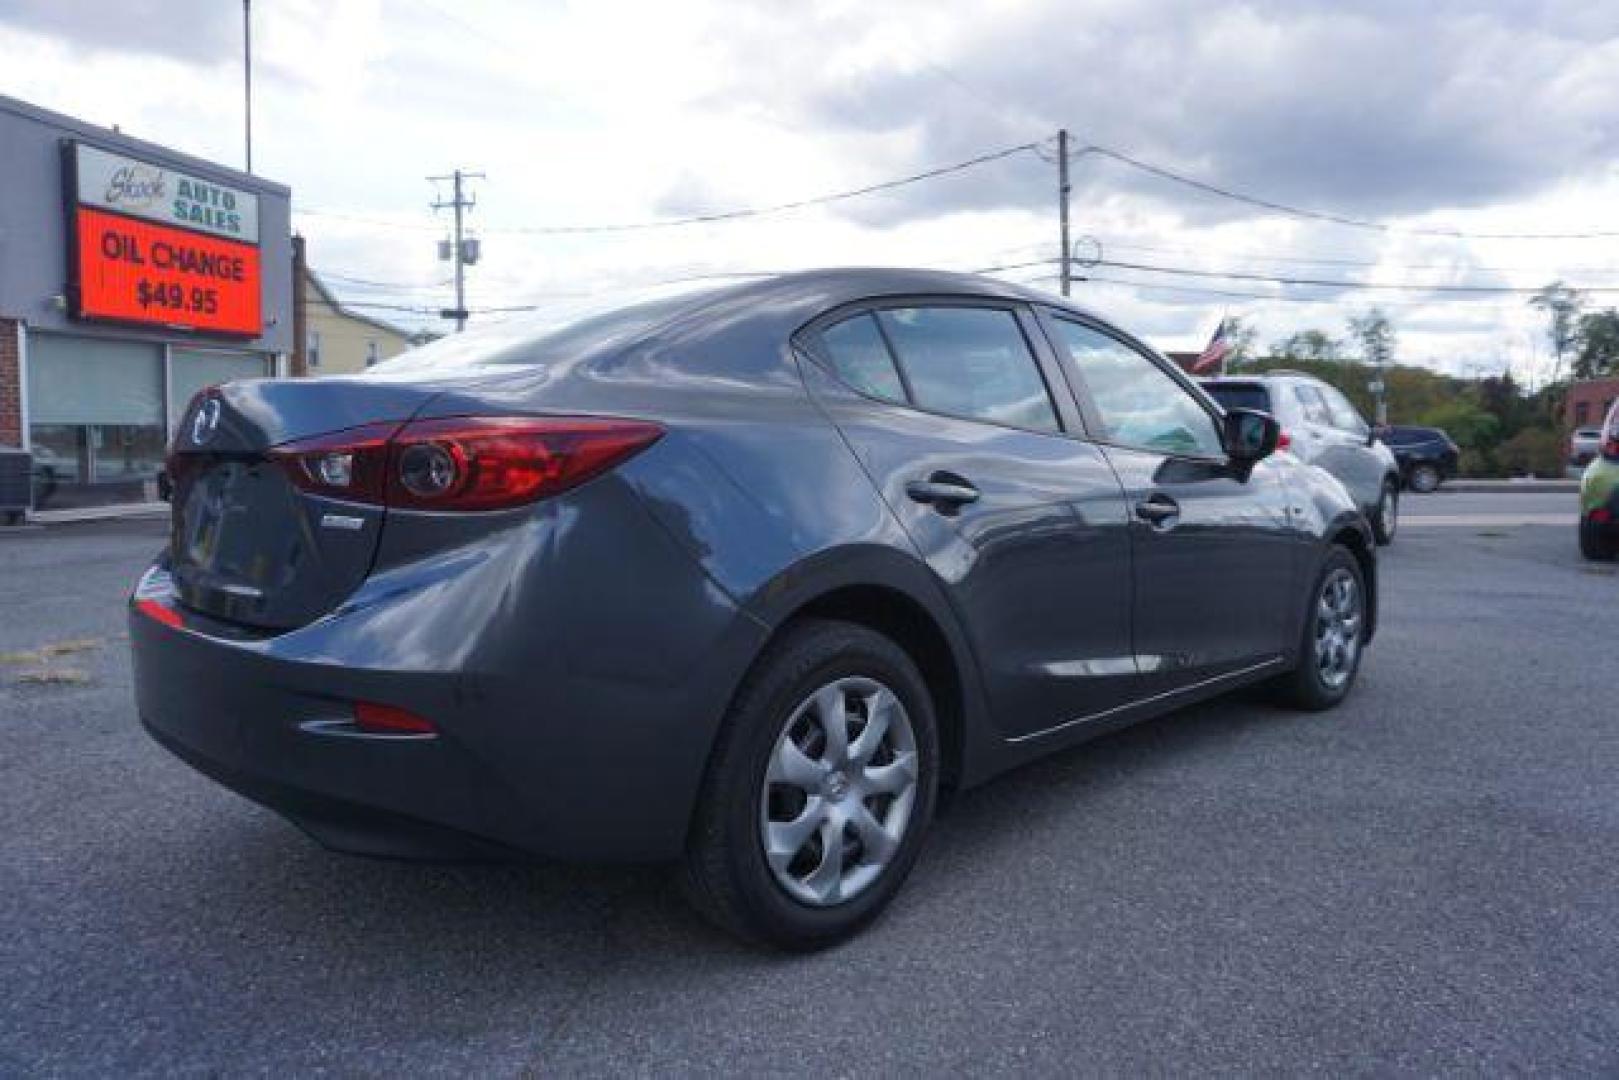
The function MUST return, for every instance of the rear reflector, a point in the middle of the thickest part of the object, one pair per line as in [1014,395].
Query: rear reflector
[159,613]
[1600,516]
[389,720]
[463,462]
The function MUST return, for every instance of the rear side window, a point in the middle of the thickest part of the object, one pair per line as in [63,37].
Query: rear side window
[1240,395]
[971,362]
[861,358]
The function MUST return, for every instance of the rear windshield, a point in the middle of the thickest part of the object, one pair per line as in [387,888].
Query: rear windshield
[554,333]
[1240,395]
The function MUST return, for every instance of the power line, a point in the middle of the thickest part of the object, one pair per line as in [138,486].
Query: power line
[1357,263]
[1319,215]
[1401,286]
[712,218]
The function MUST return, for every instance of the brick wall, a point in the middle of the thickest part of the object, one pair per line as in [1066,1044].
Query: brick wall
[10,386]
[1587,402]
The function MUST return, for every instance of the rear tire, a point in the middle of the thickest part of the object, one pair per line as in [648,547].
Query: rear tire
[1386,520]
[1424,479]
[777,772]
[1595,544]
[1329,650]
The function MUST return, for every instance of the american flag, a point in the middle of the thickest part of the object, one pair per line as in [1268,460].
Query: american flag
[1215,351]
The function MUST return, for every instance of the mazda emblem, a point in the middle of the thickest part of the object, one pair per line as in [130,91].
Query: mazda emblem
[206,422]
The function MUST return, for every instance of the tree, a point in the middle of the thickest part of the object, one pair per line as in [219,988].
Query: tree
[1375,335]
[1308,345]
[1562,307]
[1597,344]
[1242,338]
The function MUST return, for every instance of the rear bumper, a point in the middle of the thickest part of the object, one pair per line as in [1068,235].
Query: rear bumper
[574,711]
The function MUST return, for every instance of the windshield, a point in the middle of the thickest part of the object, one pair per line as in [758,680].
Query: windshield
[555,332]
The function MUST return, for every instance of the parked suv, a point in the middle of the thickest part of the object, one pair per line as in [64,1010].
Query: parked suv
[1583,445]
[1320,426]
[1427,456]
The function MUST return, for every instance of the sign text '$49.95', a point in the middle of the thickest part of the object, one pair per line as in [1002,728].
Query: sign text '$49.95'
[134,271]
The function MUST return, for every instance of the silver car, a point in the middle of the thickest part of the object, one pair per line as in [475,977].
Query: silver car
[1583,446]
[1320,426]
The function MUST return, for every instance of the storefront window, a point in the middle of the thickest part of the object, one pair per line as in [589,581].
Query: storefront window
[191,370]
[96,420]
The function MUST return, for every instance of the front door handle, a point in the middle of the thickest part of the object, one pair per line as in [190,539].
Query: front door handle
[1159,511]
[944,491]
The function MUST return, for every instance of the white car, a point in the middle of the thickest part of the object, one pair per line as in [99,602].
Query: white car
[1320,426]
[1583,446]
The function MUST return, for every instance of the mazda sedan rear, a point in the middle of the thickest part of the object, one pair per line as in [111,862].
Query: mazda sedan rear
[739,579]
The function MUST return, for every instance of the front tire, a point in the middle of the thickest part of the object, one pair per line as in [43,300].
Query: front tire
[1333,638]
[1424,479]
[1386,518]
[819,791]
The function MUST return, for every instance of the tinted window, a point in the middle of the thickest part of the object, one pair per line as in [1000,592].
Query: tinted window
[1239,395]
[861,358]
[1140,403]
[970,362]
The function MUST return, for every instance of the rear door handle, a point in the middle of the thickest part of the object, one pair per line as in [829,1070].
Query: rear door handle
[1159,511]
[942,490]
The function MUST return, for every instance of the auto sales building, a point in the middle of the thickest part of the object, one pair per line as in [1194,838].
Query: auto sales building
[130,277]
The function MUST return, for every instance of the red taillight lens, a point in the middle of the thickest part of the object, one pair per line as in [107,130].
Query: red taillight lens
[464,462]
[159,612]
[350,464]
[389,720]
[1284,441]
[493,462]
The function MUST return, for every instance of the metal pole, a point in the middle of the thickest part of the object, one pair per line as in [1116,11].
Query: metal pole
[460,272]
[247,77]
[1062,208]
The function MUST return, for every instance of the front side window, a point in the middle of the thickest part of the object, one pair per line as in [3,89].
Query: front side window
[970,362]
[861,358]
[1345,417]
[1141,405]
[1315,408]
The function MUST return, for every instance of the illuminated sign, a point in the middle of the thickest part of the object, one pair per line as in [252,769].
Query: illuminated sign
[163,195]
[156,247]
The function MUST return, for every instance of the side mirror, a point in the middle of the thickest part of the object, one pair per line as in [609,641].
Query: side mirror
[1250,435]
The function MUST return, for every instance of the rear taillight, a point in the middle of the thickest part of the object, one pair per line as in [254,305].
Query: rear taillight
[1283,440]
[378,719]
[463,462]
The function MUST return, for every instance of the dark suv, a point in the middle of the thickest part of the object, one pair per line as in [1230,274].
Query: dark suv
[739,579]
[1427,456]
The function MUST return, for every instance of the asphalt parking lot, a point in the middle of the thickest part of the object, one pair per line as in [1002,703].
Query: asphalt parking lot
[1423,881]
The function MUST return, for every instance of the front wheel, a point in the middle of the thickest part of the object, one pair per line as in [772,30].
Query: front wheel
[1424,479]
[1386,518]
[1333,638]
[819,791]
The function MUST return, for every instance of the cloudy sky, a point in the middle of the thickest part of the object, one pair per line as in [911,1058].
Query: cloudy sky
[1500,121]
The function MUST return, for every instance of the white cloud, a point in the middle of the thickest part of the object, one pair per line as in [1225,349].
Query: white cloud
[1434,114]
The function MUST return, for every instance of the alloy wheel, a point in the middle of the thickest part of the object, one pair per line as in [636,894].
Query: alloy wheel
[839,791]
[1337,628]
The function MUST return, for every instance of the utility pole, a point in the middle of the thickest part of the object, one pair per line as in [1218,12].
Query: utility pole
[461,251]
[247,78]
[1062,208]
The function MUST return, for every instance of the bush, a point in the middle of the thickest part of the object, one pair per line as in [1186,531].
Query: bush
[1533,451]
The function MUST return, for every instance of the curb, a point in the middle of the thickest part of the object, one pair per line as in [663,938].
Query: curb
[98,513]
[1512,487]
